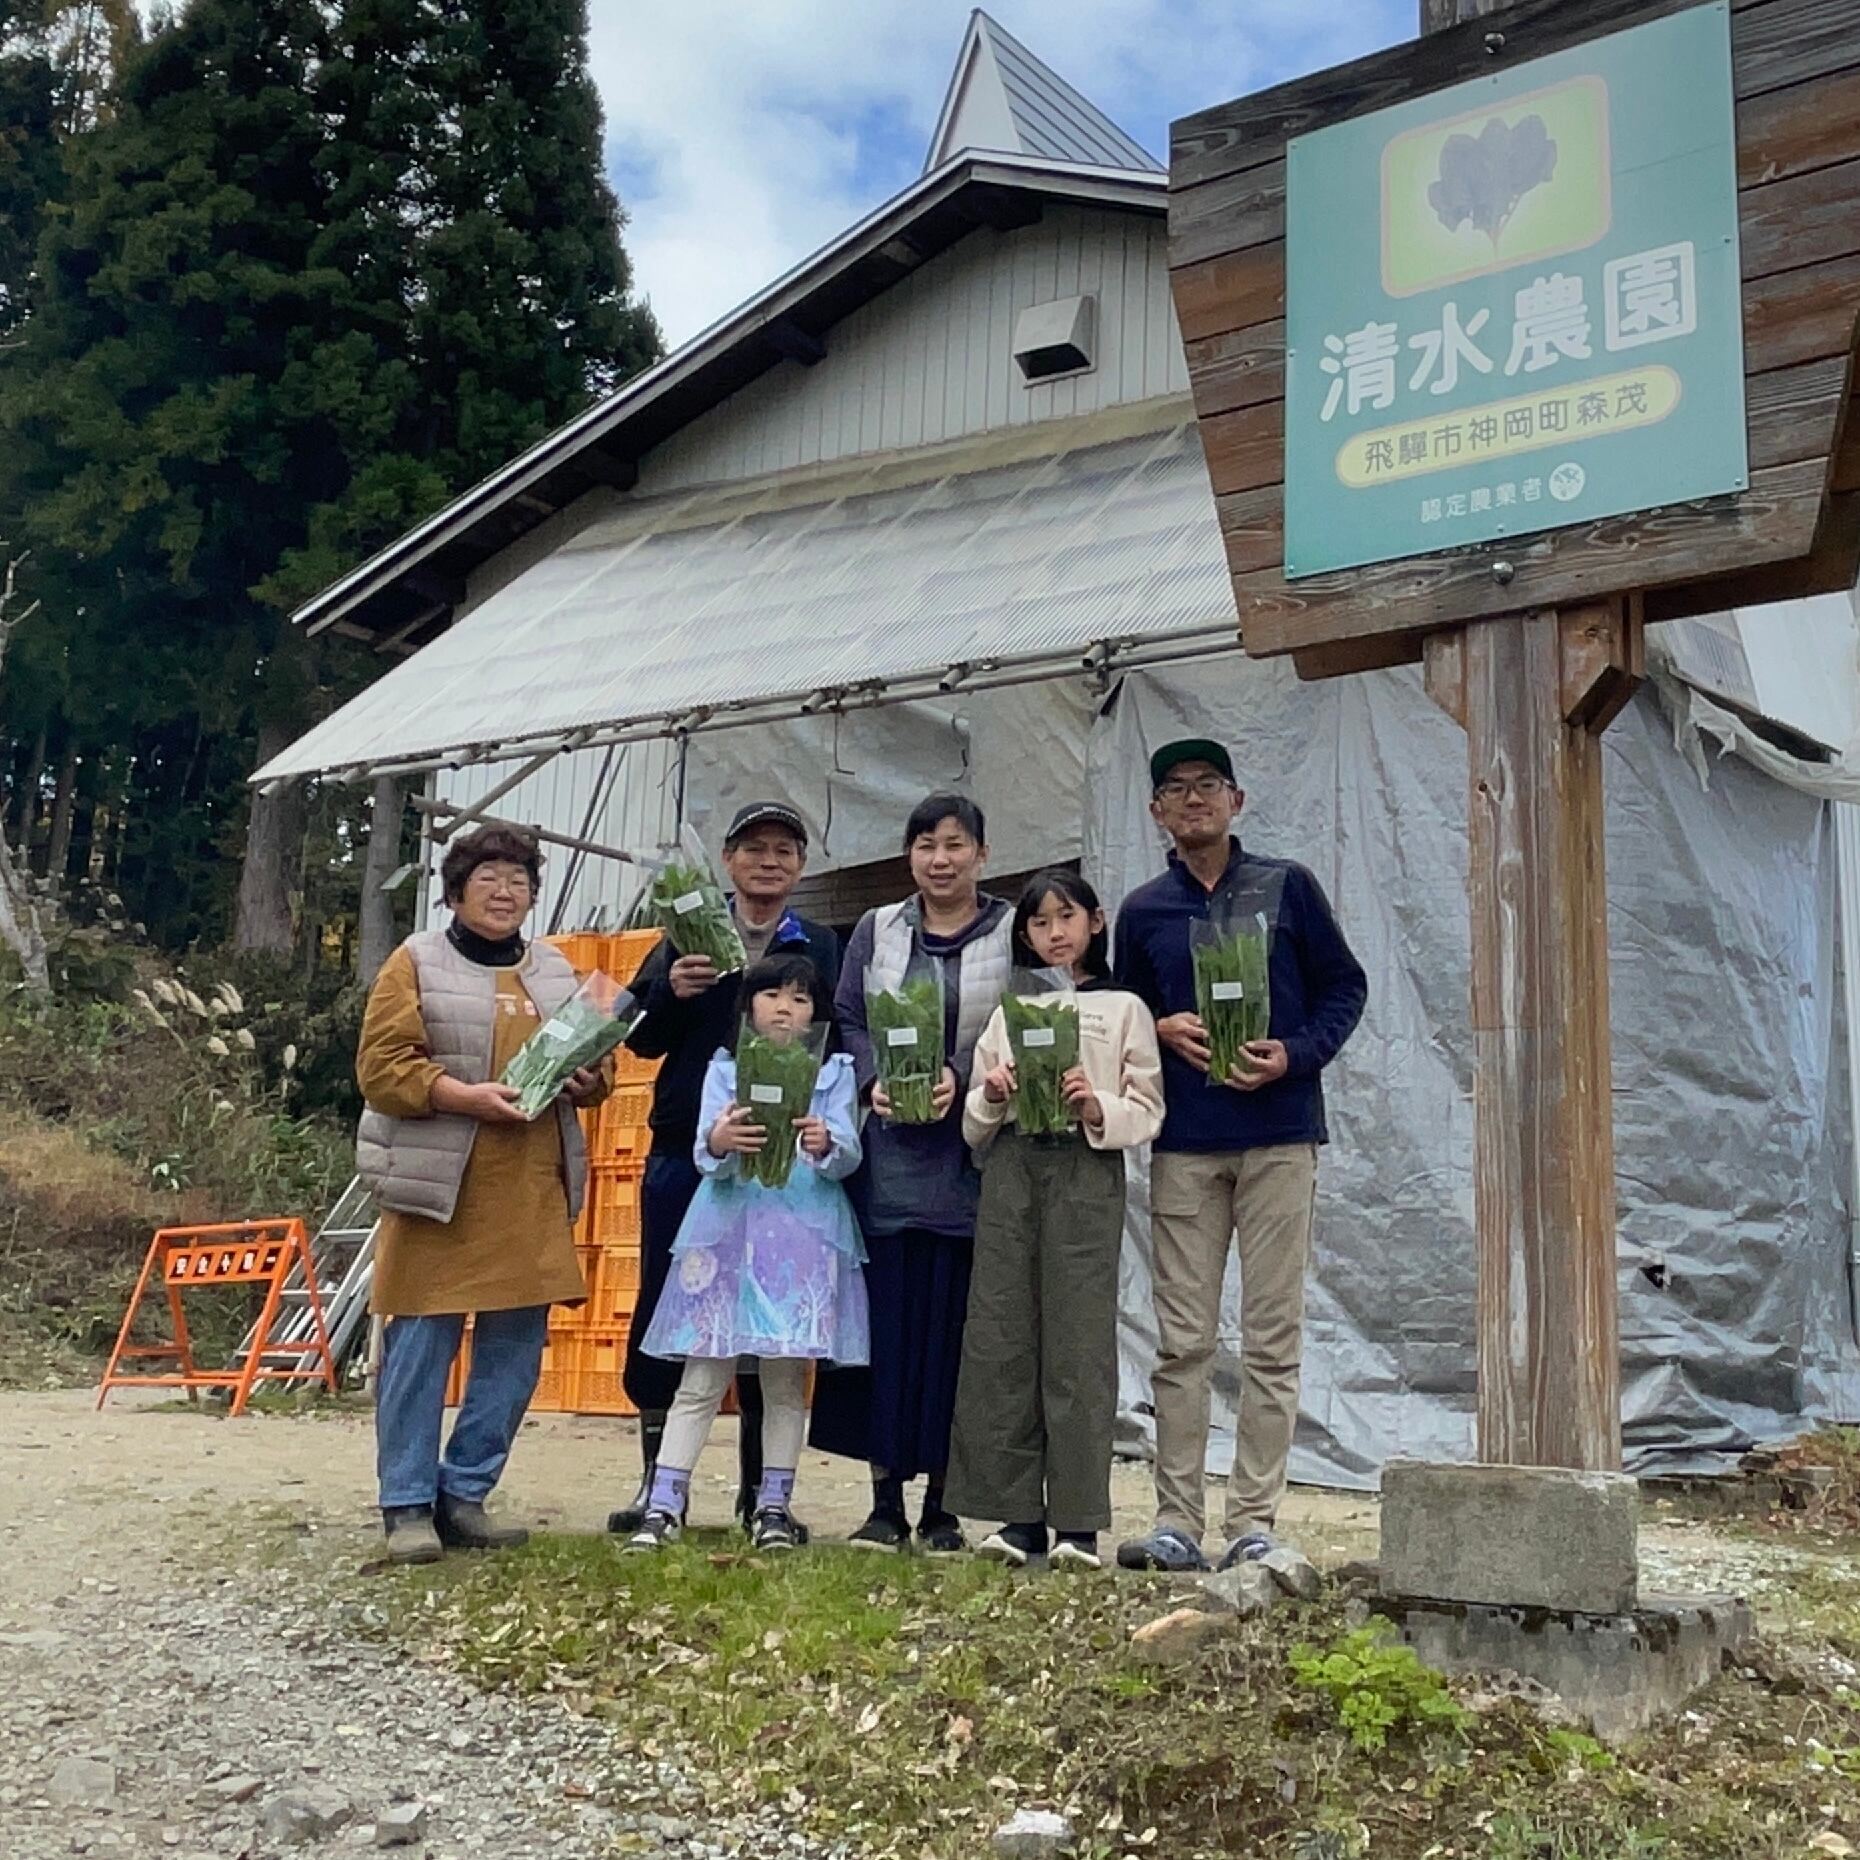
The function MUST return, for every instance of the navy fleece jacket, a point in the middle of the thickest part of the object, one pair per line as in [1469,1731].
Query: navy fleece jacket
[1318,991]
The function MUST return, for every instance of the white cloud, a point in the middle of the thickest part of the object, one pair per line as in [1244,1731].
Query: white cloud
[745,135]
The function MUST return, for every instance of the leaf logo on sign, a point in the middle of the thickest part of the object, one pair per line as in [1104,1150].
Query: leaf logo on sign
[1482,178]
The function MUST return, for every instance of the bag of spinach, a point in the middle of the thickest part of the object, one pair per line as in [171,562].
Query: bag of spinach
[775,1079]
[1231,950]
[685,899]
[906,1026]
[1041,1013]
[581,1032]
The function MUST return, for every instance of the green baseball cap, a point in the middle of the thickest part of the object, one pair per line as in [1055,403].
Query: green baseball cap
[1171,756]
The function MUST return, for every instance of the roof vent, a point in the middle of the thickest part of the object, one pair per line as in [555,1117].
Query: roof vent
[1057,338]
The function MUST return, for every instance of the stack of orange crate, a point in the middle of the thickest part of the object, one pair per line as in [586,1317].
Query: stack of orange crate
[586,1349]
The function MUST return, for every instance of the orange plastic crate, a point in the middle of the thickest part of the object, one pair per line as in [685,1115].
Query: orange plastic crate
[585,951]
[551,1386]
[623,954]
[552,1392]
[612,1220]
[630,1069]
[593,1361]
[620,1124]
[613,1286]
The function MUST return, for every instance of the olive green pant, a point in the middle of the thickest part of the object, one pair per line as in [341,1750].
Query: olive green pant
[1037,1396]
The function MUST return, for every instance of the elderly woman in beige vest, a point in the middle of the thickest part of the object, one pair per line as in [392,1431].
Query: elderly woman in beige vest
[478,1204]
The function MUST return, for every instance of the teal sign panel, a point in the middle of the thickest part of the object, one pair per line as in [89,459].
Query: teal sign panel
[1514,305]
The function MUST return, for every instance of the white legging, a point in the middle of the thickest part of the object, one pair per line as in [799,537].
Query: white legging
[700,1393]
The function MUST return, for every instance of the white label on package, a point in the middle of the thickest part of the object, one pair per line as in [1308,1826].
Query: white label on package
[1228,991]
[558,1030]
[765,1094]
[901,1036]
[1039,1036]
[688,903]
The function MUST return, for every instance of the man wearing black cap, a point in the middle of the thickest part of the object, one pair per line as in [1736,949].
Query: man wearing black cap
[691,1011]
[1236,1155]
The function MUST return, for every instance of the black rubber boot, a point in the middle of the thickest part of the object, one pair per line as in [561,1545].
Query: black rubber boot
[748,1447]
[628,1519]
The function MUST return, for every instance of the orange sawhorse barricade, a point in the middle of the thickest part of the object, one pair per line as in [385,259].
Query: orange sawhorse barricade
[233,1253]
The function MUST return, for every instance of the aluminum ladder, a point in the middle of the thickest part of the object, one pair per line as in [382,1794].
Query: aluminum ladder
[343,1253]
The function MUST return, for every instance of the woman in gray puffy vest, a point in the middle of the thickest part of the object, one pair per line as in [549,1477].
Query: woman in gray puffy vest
[478,1204]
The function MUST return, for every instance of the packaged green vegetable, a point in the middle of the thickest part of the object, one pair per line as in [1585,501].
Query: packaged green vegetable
[1041,1012]
[1231,952]
[775,1079]
[906,1028]
[685,899]
[581,1032]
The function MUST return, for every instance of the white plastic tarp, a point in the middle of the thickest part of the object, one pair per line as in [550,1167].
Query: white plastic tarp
[722,599]
[1731,1129]
[1732,1136]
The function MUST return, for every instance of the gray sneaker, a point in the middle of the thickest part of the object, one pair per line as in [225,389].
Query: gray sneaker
[1165,1548]
[1247,1549]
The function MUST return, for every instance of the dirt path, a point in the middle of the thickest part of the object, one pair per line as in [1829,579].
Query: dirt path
[154,1706]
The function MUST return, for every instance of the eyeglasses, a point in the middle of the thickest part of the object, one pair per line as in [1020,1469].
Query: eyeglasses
[486,879]
[1203,788]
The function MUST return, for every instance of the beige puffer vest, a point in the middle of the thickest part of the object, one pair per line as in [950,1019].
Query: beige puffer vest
[414,1165]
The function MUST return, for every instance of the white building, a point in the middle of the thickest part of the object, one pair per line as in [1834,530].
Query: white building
[929,511]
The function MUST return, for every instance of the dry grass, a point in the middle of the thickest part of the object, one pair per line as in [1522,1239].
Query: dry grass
[111,1126]
[77,1189]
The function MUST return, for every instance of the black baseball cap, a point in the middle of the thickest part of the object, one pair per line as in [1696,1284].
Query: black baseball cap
[1171,756]
[766,813]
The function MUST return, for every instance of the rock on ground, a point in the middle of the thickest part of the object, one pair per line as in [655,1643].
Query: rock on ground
[82,1782]
[1033,1834]
[1178,1635]
[1246,1589]
[296,1820]
[400,1825]
[1294,1572]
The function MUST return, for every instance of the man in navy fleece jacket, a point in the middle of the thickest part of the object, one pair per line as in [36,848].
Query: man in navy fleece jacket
[1238,1156]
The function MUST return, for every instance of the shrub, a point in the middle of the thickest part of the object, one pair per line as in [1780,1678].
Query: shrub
[118,1119]
[1378,1687]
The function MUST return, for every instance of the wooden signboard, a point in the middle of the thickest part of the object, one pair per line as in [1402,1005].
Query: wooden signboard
[1796,528]
[1532,637]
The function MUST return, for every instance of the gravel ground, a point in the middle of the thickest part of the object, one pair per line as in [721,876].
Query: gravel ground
[160,1698]
[156,1704]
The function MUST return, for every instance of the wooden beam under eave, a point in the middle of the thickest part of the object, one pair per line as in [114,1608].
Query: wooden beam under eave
[792,343]
[999,209]
[433,585]
[400,641]
[601,467]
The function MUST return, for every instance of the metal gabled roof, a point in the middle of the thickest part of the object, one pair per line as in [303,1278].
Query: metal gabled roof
[1002,98]
[403,596]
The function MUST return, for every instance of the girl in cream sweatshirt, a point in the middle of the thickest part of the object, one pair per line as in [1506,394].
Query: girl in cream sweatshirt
[1038,1390]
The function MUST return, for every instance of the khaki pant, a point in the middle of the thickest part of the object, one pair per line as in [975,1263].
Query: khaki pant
[1197,1204]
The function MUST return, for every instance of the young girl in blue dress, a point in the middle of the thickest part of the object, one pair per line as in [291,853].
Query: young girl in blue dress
[774,1273]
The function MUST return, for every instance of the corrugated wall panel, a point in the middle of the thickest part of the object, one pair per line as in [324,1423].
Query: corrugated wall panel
[634,809]
[932,358]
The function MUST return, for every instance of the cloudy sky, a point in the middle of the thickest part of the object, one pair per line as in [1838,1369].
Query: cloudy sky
[744,134]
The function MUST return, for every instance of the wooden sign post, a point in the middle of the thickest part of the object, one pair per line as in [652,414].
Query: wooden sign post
[1571,536]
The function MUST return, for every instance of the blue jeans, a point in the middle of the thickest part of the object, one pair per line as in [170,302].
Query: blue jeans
[410,1402]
